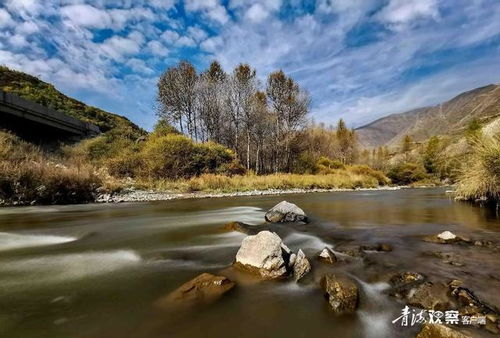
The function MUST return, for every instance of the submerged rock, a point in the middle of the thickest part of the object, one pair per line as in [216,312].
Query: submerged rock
[377,247]
[202,289]
[341,292]
[301,266]
[439,331]
[327,256]
[405,278]
[262,254]
[286,212]
[236,226]
[431,296]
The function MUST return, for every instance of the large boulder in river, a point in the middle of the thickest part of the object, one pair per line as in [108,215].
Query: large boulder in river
[327,256]
[286,212]
[263,254]
[439,331]
[301,266]
[341,292]
[202,289]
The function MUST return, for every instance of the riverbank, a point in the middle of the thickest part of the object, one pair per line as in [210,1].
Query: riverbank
[151,195]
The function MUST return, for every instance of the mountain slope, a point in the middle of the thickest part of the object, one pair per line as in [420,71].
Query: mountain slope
[31,88]
[447,118]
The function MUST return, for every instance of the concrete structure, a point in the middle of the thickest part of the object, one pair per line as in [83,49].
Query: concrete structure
[34,121]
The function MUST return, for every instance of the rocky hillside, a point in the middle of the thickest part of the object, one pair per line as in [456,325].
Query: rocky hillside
[449,117]
[34,89]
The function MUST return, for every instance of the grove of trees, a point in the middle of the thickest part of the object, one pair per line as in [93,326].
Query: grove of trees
[266,125]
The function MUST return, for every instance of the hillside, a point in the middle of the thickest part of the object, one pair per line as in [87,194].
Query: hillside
[449,117]
[34,89]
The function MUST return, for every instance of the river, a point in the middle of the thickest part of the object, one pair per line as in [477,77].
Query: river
[96,270]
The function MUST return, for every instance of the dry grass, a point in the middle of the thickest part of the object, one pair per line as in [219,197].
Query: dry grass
[480,179]
[27,175]
[338,179]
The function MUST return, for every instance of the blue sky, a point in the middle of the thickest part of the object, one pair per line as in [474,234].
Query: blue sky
[359,59]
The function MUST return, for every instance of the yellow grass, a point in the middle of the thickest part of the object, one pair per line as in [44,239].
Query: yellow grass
[338,179]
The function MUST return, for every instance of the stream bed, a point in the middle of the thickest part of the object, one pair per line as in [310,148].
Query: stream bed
[97,270]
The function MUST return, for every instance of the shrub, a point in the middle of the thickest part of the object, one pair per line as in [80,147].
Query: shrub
[480,177]
[406,173]
[367,171]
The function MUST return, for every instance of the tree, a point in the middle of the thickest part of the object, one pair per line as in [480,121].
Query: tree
[177,97]
[347,143]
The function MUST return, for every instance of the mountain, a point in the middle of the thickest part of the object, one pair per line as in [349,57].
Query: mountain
[31,88]
[450,117]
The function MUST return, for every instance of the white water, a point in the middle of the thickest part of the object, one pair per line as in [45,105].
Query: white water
[10,241]
[305,241]
[66,267]
[375,318]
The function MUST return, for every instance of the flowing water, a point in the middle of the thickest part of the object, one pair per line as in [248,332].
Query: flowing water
[97,270]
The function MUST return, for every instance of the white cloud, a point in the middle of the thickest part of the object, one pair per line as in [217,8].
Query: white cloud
[197,33]
[5,19]
[402,12]
[139,66]
[157,48]
[256,13]
[211,8]
[86,16]
[117,47]
[212,44]
[27,28]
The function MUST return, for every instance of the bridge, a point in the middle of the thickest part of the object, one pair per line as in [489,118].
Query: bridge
[36,122]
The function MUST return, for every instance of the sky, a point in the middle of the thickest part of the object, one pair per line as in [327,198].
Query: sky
[359,59]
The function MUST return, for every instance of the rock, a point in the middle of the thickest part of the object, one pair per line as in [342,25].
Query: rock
[351,250]
[468,303]
[236,226]
[291,262]
[431,296]
[439,331]
[341,292]
[448,257]
[327,256]
[263,254]
[446,237]
[377,247]
[203,289]
[286,212]
[301,266]
[405,278]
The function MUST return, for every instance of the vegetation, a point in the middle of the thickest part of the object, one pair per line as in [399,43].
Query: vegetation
[36,90]
[480,178]
[27,175]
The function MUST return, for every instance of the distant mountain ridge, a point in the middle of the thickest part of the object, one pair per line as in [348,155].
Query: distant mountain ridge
[32,88]
[447,118]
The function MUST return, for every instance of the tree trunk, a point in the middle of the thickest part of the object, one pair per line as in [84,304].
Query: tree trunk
[248,150]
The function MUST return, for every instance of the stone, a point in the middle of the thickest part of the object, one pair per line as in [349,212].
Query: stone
[430,296]
[405,278]
[377,247]
[341,292]
[263,254]
[202,289]
[327,256]
[236,226]
[439,331]
[301,266]
[286,212]
[447,236]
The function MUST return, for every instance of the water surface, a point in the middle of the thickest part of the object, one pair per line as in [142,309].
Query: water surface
[97,270]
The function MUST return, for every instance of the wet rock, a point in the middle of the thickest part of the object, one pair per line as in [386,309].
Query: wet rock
[439,331]
[447,257]
[262,254]
[301,266]
[341,292]
[236,226]
[351,250]
[468,303]
[377,247]
[203,289]
[327,256]
[431,296]
[446,237]
[286,212]
[406,278]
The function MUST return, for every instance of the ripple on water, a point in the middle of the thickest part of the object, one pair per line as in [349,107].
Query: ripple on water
[10,241]
[57,268]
